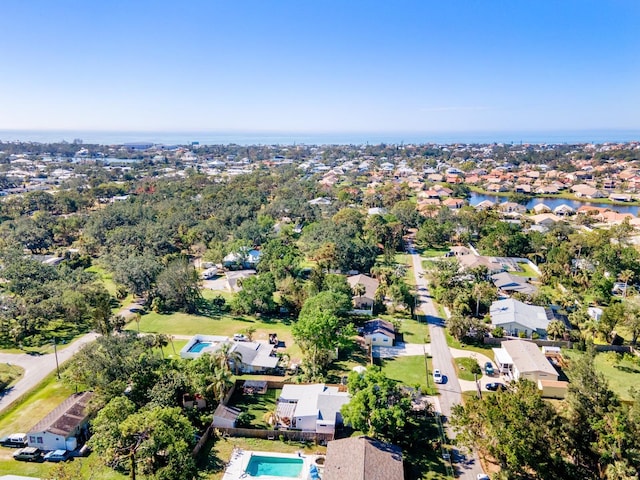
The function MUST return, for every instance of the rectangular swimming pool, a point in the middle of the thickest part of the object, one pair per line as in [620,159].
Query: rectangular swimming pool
[199,346]
[261,465]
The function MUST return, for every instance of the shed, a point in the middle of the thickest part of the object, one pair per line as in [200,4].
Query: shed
[225,417]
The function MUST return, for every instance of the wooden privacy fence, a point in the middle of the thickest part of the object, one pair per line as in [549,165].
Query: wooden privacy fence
[293,435]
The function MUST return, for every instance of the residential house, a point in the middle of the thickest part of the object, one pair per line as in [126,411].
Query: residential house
[255,357]
[516,317]
[245,258]
[508,284]
[362,458]
[468,262]
[541,208]
[545,219]
[379,332]
[311,407]
[511,207]
[485,205]
[363,302]
[523,359]
[564,210]
[64,427]
[453,203]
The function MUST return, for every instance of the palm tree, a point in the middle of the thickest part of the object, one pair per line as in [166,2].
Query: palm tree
[161,340]
[219,383]
[226,356]
[625,276]
[556,329]
[270,418]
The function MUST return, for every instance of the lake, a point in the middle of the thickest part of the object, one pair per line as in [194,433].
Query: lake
[552,203]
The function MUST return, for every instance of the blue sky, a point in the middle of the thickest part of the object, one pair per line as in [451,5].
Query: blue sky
[320,66]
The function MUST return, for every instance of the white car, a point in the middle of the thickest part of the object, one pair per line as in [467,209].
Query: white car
[437,376]
[483,476]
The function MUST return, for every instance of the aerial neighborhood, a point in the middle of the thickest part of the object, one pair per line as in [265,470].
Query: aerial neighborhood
[400,311]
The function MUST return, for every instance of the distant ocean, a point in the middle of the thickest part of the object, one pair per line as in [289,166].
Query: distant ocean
[279,138]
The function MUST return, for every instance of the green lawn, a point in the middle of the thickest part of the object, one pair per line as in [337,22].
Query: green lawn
[433,252]
[256,405]
[186,324]
[34,406]
[527,271]
[621,371]
[89,468]
[464,366]
[480,348]
[105,277]
[408,370]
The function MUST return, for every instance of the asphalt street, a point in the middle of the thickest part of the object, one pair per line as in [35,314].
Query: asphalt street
[466,464]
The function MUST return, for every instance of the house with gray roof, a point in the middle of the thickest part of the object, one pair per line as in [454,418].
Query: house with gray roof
[523,359]
[363,458]
[311,408]
[516,317]
[509,283]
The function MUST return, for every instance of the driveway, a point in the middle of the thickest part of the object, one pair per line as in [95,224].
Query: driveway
[467,385]
[37,367]
[401,350]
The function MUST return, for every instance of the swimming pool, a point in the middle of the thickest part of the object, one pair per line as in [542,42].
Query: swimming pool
[199,346]
[262,465]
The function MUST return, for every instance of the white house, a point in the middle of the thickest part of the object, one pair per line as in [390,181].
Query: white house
[61,428]
[379,332]
[256,357]
[311,408]
[515,317]
[523,359]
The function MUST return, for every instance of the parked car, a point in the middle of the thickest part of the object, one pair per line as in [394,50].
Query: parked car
[239,337]
[28,454]
[488,368]
[437,376]
[483,476]
[15,440]
[57,456]
[495,386]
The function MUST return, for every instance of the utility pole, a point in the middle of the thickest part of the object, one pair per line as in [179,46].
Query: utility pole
[55,351]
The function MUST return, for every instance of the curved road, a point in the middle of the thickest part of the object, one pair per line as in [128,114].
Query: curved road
[37,367]
[450,392]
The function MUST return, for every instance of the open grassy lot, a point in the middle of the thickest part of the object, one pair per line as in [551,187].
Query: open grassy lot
[10,373]
[621,371]
[185,324]
[408,370]
[89,468]
[34,406]
[433,252]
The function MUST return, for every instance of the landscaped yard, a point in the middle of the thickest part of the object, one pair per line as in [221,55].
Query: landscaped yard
[186,324]
[527,271]
[464,365]
[256,405]
[621,371]
[408,370]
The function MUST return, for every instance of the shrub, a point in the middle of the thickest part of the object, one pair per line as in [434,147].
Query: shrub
[498,332]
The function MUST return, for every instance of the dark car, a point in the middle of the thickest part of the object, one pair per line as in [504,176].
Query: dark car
[488,368]
[57,456]
[28,454]
[495,386]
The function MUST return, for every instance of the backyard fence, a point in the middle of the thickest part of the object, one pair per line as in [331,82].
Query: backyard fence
[292,435]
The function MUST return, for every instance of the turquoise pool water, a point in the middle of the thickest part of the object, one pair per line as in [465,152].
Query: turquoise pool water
[274,466]
[198,347]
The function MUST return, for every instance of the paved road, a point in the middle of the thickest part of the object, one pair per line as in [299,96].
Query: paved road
[37,367]
[467,467]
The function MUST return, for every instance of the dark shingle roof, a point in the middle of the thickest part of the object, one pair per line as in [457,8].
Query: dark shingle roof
[67,416]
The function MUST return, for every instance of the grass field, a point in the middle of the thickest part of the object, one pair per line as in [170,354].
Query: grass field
[409,371]
[464,366]
[527,271]
[10,373]
[186,324]
[621,371]
[256,405]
